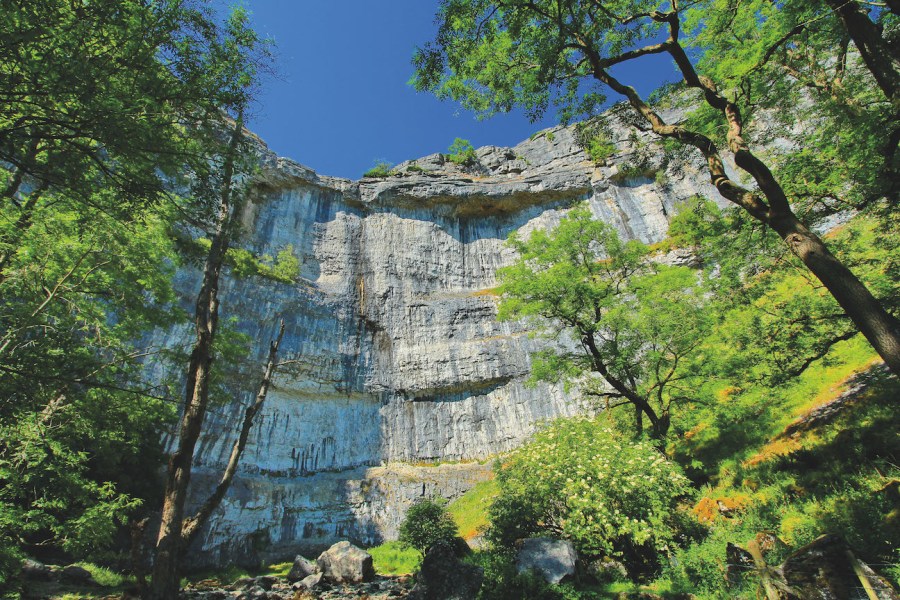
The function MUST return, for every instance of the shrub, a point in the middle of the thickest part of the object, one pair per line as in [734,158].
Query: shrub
[461,152]
[600,149]
[381,169]
[583,481]
[395,558]
[427,522]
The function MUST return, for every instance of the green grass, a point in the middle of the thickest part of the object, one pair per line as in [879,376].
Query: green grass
[469,511]
[380,170]
[224,576]
[836,477]
[278,569]
[105,577]
[395,558]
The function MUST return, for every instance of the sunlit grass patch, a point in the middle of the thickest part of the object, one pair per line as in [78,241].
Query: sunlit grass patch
[470,511]
[395,558]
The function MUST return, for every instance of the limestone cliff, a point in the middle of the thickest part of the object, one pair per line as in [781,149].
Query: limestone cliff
[399,358]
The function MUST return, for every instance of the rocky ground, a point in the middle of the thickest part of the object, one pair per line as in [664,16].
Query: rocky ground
[277,588]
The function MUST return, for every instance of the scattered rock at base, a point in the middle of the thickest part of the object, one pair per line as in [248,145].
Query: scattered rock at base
[444,577]
[76,574]
[254,593]
[34,570]
[302,568]
[309,582]
[553,559]
[824,569]
[345,563]
[607,570]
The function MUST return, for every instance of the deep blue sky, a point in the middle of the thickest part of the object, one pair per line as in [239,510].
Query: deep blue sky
[341,100]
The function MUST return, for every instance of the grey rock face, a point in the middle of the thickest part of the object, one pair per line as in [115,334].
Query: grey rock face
[553,559]
[395,354]
[344,562]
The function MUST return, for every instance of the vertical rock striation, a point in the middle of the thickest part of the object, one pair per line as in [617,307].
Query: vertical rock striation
[396,357]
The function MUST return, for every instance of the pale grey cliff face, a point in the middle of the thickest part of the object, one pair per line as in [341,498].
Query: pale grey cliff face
[399,356]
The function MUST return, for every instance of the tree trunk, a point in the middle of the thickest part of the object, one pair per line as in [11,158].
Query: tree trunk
[167,561]
[192,526]
[641,404]
[879,327]
[873,49]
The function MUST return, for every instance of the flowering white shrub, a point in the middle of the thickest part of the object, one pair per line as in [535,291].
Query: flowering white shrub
[586,482]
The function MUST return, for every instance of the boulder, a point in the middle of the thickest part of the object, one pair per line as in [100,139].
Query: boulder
[308,583]
[606,570]
[266,581]
[444,577]
[253,593]
[76,574]
[303,568]
[345,563]
[32,569]
[739,563]
[553,559]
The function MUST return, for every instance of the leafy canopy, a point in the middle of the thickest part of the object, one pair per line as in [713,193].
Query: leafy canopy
[426,523]
[615,315]
[579,479]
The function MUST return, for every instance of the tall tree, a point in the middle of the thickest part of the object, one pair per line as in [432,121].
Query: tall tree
[634,324]
[494,54]
[231,183]
[100,95]
[106,106]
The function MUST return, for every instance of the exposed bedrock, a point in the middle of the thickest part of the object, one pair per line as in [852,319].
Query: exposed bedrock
[395,352]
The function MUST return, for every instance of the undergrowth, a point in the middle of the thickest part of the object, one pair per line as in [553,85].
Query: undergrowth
[395,558]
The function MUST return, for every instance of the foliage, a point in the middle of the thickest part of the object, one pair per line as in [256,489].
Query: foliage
[840,155]
[427,522]
[395,558]
[112,106]
[380,170]
[494,56]
[461,152]
[578,478]
[600,150]
[285,267]
[628,321]
[78,419]
[469,511]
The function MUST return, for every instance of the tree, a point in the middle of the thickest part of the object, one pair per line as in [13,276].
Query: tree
[493,55]
[426,523]
[100,95]
[838,142]
[112,110]
[633,323]
[77,417]
[231,185]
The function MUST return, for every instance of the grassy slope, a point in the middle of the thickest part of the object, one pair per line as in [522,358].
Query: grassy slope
[469,511]
[840,476]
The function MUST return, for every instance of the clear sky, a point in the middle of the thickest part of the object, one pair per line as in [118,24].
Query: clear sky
[341,99]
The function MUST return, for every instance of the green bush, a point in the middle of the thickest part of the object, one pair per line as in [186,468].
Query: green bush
[395,558]
[580,479]
[461,152]
[427,522]
[381,169]
[600,149]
